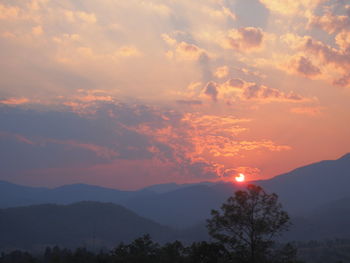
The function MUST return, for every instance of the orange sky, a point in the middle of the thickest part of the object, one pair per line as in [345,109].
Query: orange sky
[173,91]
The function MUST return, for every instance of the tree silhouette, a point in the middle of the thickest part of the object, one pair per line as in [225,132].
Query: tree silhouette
[248,223]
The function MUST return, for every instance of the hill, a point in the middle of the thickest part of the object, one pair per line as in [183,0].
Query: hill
[301,192]
[88,224]
[305,189]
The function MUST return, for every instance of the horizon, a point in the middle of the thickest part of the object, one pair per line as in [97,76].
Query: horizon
[137,93]
[218,181]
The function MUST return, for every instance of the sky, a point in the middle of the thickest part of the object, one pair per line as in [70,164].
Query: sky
[127,94]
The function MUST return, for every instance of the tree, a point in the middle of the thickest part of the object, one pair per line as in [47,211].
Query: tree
[248,223]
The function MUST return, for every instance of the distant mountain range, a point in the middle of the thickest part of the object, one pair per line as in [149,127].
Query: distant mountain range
[317,196]
[304,189]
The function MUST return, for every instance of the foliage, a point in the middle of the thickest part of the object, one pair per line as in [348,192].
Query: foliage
[248,223]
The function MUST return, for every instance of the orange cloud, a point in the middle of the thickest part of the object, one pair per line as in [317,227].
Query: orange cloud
[128,51]
[221,72]
[182,50]
[330,23]
[9,12]
[310,111]
[93,95]
[202,138]
[291,7]
[332,63]
[343,40]
[14,101]
[238,89]
[245,39]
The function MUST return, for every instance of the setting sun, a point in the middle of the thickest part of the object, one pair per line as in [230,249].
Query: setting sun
[240,178]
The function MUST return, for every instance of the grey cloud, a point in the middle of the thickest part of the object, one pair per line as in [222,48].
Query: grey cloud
[343,81]
[236,83]
[306,67]
[32,140]
[189,102]
[211,90]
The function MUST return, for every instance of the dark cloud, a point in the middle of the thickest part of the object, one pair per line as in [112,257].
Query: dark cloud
[189,102]
[211,90]
[107,134]
[236,83]
[344,81]
[306,68]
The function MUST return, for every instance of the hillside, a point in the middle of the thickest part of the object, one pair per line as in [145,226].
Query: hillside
[306,188]
[81,224]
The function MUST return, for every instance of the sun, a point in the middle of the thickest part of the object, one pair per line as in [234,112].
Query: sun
[240,178]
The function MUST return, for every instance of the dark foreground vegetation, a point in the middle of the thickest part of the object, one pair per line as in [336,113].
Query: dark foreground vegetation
[142,250]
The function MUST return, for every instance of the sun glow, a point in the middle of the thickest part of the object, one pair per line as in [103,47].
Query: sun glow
[240,178]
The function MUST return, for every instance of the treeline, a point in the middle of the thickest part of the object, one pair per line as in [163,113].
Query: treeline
[141,250]
[326,251]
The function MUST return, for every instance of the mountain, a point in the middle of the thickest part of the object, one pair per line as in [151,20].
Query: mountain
[311,186]
[12,195]
[301,192]
[90,224]
[183,207]
[164,188]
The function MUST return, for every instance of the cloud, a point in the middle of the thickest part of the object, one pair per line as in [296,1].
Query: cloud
[343,81]
[211,90]
[245,39]
[202,138]
[189,102]
[221,72]
[265,94]
[72,16]
[17,137]
[182,50]
[303,66]
[107,133]
[343,40]
[9,12]
[37,30]
[291,7]
[330,22]
[332,63]
[327,53]
[128,51]
[240,90]
[309,111]
[14,101]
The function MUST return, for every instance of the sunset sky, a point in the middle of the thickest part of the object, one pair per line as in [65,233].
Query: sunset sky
[131,93]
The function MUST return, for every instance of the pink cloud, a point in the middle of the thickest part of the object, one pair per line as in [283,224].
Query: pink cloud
[14,101]
[100,151]
[309,111]
[245,39]
[18,137]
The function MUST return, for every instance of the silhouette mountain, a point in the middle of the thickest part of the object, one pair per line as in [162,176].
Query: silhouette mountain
[311,186]
[12,195]
[301,192]
[88,224]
